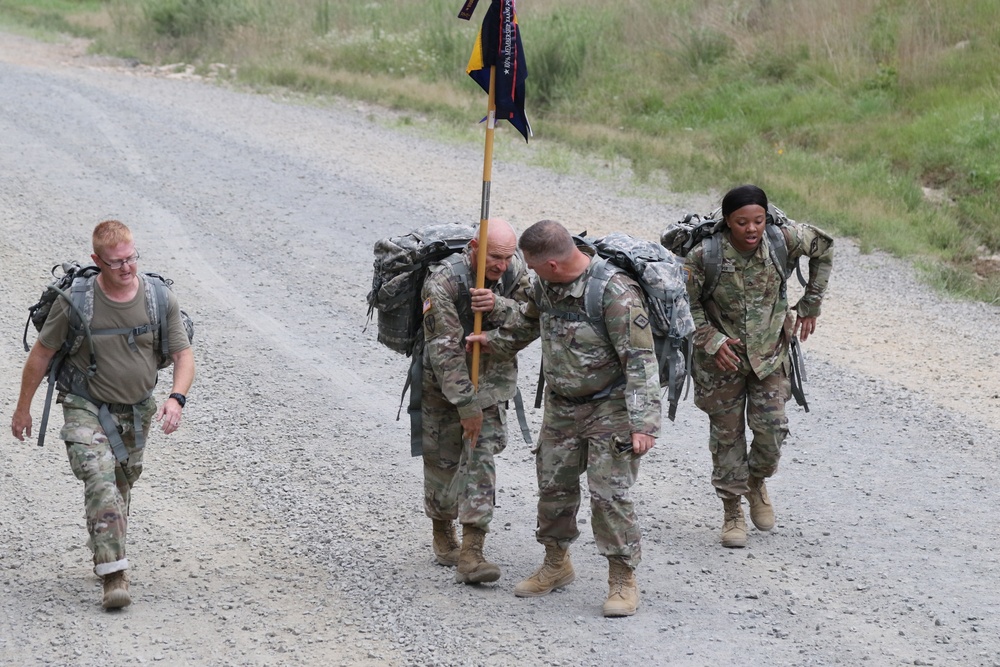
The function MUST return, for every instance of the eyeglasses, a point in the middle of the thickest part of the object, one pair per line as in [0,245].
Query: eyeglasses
[114,266]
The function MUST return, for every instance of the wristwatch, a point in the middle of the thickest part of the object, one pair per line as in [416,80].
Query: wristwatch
[180,398]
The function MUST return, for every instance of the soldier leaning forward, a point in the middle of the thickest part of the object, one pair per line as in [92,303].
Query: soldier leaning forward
[602,410]
[460,478]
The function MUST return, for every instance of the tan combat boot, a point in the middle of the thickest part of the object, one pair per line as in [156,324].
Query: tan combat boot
[116,591]
[446,546]
[734,526]
[556,571]
[761,510]
[623,593]
[472,567]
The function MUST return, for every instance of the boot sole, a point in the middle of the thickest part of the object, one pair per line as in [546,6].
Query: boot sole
[117,600]
[565,581]
[477,577]
[618,613]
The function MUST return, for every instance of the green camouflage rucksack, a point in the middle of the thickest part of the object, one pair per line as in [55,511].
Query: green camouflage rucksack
[400,266]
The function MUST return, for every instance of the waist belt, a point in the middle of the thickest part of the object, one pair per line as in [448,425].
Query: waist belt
[597,396]
[75,382]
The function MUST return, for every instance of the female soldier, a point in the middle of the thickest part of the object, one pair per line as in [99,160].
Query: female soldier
[741,360]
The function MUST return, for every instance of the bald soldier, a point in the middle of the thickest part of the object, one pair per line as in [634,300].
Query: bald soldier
[460,477]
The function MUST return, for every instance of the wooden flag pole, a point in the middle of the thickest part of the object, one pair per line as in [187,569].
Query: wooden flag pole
[484,215]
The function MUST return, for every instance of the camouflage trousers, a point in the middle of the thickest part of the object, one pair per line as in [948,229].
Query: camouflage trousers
[583,438]
[107,483]
[459,483]
[733,400]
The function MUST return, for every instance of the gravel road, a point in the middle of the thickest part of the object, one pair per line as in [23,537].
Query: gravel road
[283,524]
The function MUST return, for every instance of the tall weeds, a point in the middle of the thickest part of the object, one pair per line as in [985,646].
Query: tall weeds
[848,109]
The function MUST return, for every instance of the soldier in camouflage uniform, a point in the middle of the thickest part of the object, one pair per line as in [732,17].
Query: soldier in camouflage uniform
[459,479]
[741,360]
[602,410]
[125,378]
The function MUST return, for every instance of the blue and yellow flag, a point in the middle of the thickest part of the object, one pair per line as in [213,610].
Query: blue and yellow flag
[499,43]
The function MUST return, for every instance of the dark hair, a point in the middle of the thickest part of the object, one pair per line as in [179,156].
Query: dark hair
[741,196]
[547,239]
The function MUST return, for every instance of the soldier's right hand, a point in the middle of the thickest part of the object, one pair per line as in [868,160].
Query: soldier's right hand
[20,424]
[483,300]
[477,338]
[471,427]
[726,358]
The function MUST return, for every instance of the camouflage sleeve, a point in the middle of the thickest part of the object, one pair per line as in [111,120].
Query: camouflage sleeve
[519,329]
[506,307]
[817,245]
[706,335]
[631,335]
[443,344]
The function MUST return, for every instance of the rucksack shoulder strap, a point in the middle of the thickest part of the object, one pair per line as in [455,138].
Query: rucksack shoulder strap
[712,259]
[460,269]
[81,314]
[778,249]
[156,307]
[593,293]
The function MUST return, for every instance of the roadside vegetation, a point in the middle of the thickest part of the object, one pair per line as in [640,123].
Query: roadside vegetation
[878,119]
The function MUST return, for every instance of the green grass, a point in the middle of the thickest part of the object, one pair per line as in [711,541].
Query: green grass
[53,16]
[843,111]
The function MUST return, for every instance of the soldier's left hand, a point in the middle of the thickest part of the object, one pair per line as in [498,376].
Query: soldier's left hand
[169,415]
[471,428]
[483,300]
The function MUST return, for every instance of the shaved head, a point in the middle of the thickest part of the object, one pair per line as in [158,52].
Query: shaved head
[501,244]
[500,232]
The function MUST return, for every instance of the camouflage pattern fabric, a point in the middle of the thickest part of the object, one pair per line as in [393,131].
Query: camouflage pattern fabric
[107,484]
[578,434]
[747,301]
[458,483]
[747,305]
[444,336]
[726,397]
[577,360]
[578,438]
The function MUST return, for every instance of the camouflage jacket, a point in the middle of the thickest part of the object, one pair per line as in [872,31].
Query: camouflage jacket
[747,304]
[577,360]
[447,319]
